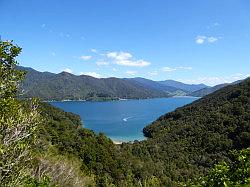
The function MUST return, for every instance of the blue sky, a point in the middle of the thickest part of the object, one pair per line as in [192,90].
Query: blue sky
[192,41]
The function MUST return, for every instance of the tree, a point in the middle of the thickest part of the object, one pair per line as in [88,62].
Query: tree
[233,173]
[17,123]
[10,77]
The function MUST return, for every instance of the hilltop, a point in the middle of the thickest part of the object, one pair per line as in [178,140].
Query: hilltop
[67,86]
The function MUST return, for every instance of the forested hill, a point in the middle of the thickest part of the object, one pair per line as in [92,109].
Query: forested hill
[67,86]
[63,86]
[214,110]
[188,141]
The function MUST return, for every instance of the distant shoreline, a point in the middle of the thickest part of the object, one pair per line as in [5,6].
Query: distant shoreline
[120,99]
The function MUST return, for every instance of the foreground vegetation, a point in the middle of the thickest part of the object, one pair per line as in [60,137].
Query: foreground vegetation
[205,143]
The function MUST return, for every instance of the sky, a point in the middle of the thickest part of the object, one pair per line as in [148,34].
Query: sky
[194,41]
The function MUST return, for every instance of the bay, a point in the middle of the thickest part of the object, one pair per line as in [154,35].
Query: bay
[122,120]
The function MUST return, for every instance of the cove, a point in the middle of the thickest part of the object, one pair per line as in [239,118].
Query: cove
[122,120]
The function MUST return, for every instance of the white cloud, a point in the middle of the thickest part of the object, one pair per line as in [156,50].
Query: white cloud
[137,63]
[114,69]
[131,73]
[92,74]
[68,70]
[102,63]
[200,39]
[119,55]
[153,73]
[85,57]
[184,68]
[205,39]
[126,59]
[168,69]
[213,25]
[93,50]
[212,39]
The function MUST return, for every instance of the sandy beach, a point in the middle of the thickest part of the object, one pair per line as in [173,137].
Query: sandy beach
[117,142]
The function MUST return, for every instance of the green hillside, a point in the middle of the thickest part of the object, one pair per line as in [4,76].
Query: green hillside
[63,86]
[195,137]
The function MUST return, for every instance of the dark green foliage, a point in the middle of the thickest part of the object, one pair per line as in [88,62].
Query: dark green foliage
[193,138]
[98,154]
[154,85]
[33,182]
[233,173]
[17,124]
[9,76]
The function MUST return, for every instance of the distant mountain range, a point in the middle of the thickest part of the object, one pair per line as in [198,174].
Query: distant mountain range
[66,86]
[186,87]
[154,85]
[207,90]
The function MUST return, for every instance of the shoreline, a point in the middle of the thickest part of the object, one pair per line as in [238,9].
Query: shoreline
[116,142]
[120,99]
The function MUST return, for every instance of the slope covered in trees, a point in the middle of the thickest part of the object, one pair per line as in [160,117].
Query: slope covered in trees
[62,86]
[156,85]
[195,137]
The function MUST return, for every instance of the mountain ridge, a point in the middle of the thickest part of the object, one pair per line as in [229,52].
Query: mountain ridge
[183,86]
[67,86]
[205,91]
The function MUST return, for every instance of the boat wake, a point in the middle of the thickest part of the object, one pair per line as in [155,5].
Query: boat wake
[126,119]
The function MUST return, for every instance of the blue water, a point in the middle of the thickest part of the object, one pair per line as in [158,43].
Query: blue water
[122,120]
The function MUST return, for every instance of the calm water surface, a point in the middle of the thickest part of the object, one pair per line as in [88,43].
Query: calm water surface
[122,120]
